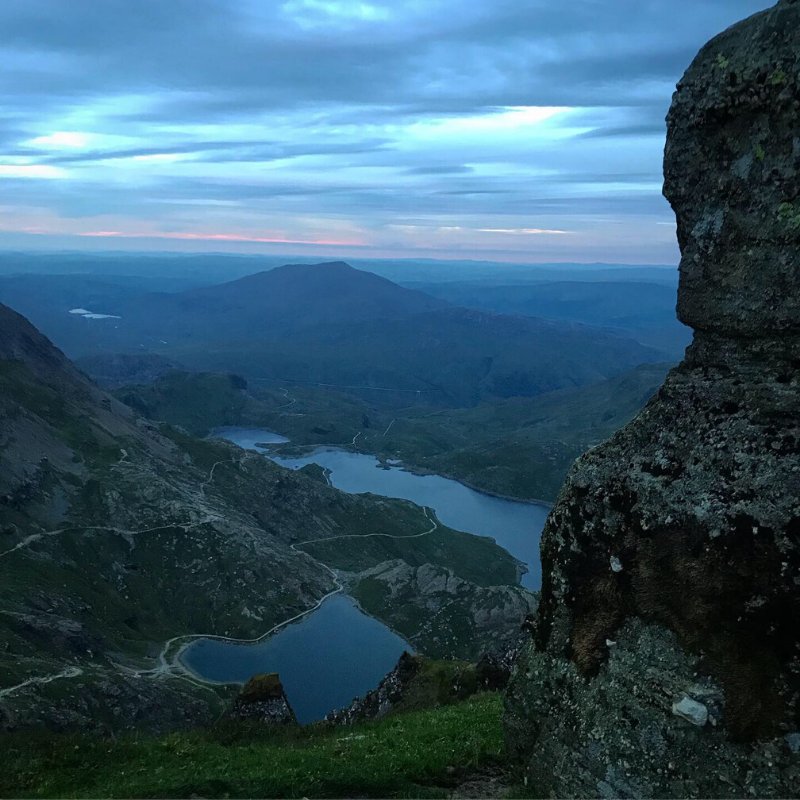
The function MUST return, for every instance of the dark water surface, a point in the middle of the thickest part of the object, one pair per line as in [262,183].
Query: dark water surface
[325,660]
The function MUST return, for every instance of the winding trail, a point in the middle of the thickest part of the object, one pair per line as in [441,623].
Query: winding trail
[390,427]
[35,537]
[186,526]
[173,666]
[289,404]
[69,672]
[211,474]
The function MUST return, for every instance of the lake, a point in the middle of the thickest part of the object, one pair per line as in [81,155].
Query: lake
[336,652]
[330,657]
[513,525]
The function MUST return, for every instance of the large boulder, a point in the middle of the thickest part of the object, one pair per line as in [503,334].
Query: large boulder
[665,655]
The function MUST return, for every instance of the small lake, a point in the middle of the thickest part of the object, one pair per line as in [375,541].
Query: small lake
[513,525]
[325,660]
[337,653]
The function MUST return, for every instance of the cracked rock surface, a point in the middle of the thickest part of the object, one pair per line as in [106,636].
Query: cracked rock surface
[672,558]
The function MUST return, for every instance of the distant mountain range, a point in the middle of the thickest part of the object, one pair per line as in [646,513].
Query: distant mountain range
[332,325]
[181,271]
[641,309]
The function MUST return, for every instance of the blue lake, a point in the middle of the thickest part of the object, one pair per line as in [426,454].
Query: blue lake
[513,525]
[337,653]
[331,656]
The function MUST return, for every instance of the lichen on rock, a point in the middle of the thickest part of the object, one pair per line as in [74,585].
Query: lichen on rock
[672,558]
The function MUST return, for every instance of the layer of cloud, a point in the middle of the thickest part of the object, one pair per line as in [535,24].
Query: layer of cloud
[397,125]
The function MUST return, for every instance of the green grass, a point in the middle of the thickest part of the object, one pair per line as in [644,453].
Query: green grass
[419,754]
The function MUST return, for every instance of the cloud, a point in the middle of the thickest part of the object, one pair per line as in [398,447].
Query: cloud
[225,115]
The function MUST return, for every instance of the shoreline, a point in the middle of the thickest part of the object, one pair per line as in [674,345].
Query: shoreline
[413,470]
[350,447]
[177,661]
[423,471]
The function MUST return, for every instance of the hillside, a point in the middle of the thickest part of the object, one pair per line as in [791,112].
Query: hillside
[117,535]
[518,448]
[454,357]
[332,325]
[437,752]
[643,310]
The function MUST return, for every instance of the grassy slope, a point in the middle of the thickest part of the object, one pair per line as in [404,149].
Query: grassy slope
[521,447]
[419,754]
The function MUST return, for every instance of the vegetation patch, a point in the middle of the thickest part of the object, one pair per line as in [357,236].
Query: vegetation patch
[419,754]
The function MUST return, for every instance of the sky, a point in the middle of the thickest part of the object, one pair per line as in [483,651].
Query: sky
[510,130]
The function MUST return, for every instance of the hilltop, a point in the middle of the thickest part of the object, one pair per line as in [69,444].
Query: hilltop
[278,302]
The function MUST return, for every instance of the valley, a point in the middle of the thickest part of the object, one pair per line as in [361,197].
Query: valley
[383,508]
[109,519]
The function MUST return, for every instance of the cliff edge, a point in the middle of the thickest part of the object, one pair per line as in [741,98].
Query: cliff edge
[665,655]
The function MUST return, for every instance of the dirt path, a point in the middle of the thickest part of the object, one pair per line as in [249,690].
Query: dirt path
[69,672]
[170,664]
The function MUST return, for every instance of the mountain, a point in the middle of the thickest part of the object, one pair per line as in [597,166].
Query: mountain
[278,302]
[332,325]
[335,326]
[643,310]
[118,535]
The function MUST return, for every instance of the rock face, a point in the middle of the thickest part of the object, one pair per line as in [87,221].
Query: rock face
[264,699]
[665,656]
[380,701]
[419,682]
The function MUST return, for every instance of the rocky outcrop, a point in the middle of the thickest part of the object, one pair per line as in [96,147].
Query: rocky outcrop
[665,655]
[263,698]
[378,702]
[418,682]
[399,594]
